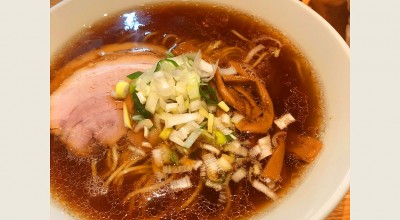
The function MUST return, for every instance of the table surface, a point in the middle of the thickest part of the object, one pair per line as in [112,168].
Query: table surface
[337,16]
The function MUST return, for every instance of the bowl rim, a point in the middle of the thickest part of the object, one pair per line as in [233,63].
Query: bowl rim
[331,203]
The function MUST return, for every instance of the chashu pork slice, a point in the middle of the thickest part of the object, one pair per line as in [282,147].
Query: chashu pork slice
[82,111]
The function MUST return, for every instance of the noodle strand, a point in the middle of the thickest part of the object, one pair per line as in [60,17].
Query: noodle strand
[149,188]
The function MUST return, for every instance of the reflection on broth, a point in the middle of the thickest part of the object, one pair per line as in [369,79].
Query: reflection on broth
[180,111]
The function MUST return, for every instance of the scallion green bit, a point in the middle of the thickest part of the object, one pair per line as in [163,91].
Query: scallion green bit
[135,75]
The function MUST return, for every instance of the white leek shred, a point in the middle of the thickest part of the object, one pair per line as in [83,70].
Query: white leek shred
[141,97]
[146,144]
[151,102]
[211,163]
[143,123]
[163,104]
[265,151]
[181,88]
[188,128]
[174,89]
[195,105]
[214,185]
[212,108]
[176,137]
[224,164]
[239,175]
[205,70]
[223,125]
[211,148]
[197,164]
[164,84]
[203,171]
[265,140]
[226,131]
[181,184]
[171,107]
[265,147]
[192,87]
[204,66]
[189,131]
[157,157]
[200,119]
[283,121]
[181,104]
[256,169]
[227,71]
[176,119]
[137,151]
[157,121]
[146,132]
[233,137]
[236,148]
[176,169]
[236,118]
[192,138]
[225,119]
[264,189]
[254,151]
[222,197]
[160,175]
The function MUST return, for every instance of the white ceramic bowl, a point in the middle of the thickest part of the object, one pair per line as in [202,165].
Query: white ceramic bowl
[325,183]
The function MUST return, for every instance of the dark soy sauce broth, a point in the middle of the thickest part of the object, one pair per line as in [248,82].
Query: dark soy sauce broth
[299,94]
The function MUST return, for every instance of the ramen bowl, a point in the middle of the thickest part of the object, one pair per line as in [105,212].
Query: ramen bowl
[327,180]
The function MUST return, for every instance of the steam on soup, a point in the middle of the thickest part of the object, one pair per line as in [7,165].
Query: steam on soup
[180,111]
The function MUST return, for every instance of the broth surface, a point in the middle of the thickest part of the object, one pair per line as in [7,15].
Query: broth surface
[288,78]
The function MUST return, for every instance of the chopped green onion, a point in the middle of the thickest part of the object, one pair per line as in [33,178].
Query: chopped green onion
[220,138]
[137,117]
[139,107]
[228,138]
[172,61]
[203,124]
[132,88]
[169,54]
[158,67]
[174,158]
[207,135]
[222,178]
[208,94]
[135,75]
